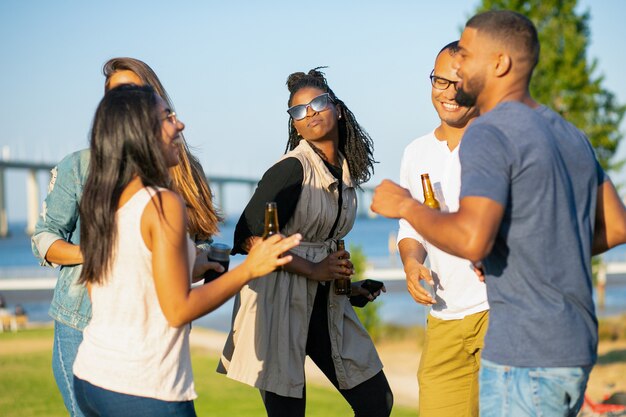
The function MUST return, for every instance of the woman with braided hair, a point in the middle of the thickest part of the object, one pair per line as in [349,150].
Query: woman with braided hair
[294,311]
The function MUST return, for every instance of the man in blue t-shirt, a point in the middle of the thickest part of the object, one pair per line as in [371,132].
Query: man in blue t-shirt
[534,207]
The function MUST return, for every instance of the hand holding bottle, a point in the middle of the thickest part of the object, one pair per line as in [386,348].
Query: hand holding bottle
[335,266]
[342,285]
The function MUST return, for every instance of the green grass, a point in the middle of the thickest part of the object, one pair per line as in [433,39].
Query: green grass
[28,389]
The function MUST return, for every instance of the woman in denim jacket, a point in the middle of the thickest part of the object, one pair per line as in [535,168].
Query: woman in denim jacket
[56,238]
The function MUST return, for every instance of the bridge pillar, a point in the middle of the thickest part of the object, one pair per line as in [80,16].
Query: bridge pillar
[4,222]
[221,197]
[32,195]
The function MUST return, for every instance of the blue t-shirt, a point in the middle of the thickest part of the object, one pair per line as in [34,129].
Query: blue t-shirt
[543,171]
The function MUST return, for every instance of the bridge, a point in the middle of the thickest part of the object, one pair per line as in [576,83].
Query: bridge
[219,185]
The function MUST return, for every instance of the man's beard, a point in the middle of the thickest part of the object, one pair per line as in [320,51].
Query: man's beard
[467,98]
[463,98]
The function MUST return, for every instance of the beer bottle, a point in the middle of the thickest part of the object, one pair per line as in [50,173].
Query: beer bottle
[429,194]
[271,223]
[271,220]
[342,286]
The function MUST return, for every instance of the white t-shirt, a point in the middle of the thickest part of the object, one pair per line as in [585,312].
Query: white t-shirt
[128,346]
[458,291]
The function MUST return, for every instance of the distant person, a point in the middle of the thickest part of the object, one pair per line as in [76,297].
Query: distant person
[6,321]
[56,238]
[19,310]
[457,322]
[534,206]
[21,318]
[138,264]
[4,311]
[294,312]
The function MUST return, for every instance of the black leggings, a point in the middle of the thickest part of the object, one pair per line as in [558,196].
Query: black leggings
[372,398]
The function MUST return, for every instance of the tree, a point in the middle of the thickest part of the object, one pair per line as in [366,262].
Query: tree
[564,79]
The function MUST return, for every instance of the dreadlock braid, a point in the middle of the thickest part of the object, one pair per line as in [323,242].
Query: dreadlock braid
[354,142]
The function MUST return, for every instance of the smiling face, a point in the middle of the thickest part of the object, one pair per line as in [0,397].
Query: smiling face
[316,125]
[472,64]
[449,111]
[170,133]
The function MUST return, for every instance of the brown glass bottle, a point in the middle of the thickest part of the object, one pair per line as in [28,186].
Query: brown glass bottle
[342,286]
[271,223]
[429,194]
[271,220]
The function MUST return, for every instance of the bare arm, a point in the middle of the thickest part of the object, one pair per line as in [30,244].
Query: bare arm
[413,256]
[165,234]
[64,253]
[330,268]
[469,233]
[610,227]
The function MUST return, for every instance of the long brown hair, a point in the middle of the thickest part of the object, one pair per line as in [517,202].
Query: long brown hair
[188,176]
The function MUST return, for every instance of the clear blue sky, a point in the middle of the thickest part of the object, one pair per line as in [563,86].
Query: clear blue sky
[224,63]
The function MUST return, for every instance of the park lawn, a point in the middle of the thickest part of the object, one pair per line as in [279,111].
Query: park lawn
[28,389]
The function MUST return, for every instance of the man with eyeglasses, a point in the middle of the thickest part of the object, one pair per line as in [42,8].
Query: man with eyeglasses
[448,371]
[535,206]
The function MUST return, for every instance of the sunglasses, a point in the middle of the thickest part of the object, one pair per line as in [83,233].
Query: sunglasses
[318,104]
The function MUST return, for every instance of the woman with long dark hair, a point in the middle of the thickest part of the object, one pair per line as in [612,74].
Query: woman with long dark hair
[56,238]
[138,261]
[294,312]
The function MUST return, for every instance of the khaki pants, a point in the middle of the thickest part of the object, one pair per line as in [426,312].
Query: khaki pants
[448,371]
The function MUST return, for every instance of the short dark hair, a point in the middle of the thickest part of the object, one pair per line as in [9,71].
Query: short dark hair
[452,48]
[513,29]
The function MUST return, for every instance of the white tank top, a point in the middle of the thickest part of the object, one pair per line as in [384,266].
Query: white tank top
[128,346]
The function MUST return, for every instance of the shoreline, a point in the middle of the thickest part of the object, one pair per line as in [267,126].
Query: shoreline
[395,308]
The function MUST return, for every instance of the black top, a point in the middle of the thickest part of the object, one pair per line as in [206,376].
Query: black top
[281,183]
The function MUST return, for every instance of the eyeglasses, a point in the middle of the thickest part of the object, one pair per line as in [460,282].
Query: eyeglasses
[171,116]
[441,83]
[318,104]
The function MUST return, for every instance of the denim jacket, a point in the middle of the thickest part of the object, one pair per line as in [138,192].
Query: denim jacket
[59,220]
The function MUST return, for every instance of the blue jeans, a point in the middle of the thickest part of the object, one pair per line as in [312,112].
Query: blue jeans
[507,391]
[99,402]
[66,342]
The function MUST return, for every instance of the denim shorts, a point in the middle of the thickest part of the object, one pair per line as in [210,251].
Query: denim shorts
[507,391]
[99,402]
